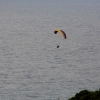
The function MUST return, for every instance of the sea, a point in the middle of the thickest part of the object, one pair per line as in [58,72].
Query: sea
[31,65]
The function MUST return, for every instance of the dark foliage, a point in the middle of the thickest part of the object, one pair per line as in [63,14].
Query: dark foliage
[86,95]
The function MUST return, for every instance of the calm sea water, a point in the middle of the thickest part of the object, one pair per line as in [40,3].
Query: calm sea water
[31,67]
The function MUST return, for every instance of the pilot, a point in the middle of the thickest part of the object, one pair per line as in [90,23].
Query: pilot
[57,46]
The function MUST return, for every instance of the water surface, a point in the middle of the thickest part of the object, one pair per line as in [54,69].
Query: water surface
[31,67]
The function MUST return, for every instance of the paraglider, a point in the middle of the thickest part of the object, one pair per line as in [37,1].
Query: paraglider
[61,32]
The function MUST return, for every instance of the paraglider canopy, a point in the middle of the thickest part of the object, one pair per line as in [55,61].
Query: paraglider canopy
[61,32]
